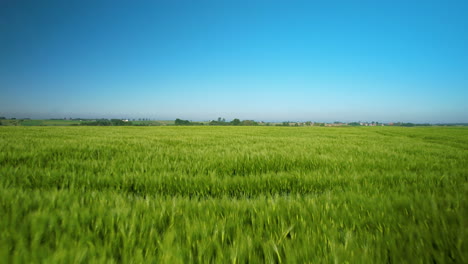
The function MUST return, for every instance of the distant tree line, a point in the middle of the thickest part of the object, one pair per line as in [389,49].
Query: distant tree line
[107,122]
[234,122]
[180,122]
[410,124]
[219,122]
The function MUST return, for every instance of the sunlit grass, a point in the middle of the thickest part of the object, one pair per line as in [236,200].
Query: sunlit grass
[233,194]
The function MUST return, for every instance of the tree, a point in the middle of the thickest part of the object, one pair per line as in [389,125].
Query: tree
[180,122]
[98,122]
[119,122]
[249,123]
[236,122]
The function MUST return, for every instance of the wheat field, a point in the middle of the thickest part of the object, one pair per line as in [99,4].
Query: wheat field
[233,194]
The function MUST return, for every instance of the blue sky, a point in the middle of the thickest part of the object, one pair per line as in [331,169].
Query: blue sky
[264,60]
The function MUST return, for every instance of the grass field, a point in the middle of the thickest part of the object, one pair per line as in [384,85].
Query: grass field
[233,195]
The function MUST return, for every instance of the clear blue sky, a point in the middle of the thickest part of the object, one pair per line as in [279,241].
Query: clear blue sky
[263,60]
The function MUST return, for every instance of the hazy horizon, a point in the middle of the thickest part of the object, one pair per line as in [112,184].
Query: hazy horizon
[146,118]
[321,61]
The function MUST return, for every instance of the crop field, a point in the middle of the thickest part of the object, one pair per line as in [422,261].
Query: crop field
[233,195]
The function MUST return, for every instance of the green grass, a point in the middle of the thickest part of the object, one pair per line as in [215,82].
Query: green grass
[233,195]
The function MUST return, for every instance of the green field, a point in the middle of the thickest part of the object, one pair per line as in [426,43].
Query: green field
[233,195]
[60,122]
[39,122]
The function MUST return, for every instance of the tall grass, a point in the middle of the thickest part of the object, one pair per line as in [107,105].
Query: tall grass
[233,194]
